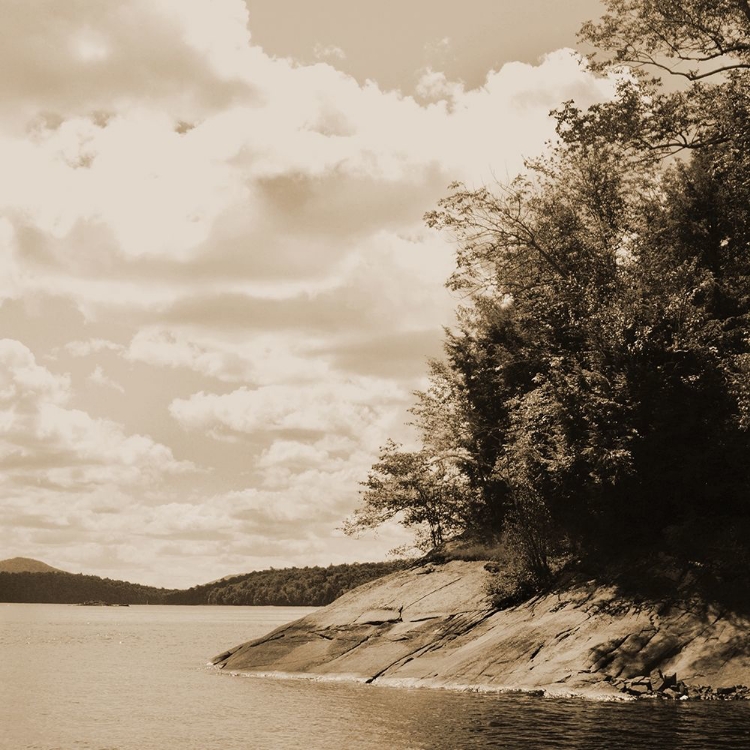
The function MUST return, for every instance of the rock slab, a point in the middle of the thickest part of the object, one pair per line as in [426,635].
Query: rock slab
[439,630]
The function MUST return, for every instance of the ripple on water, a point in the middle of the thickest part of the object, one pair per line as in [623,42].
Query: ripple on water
[135,679]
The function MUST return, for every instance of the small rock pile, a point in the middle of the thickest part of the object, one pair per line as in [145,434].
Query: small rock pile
[668,687]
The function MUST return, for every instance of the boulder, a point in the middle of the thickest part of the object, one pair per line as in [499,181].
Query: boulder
[656,678]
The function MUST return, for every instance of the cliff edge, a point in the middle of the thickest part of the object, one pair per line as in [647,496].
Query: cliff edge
[434,626]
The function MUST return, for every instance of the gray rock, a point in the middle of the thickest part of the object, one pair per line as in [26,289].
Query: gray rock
[639,689]
[656,678]
[441,630]
[378,617]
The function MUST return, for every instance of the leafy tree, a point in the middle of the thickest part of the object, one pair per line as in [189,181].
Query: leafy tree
[595,393]
[423,490]
[692,39]
[628,335]
[702,45]
[308,587]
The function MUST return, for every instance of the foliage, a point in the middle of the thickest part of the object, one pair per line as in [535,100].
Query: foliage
[704,45]
[693,39]
[421,488]
[67,588]
[305,587]
[595,393]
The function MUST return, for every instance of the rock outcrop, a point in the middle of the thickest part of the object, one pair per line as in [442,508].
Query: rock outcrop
[434,626]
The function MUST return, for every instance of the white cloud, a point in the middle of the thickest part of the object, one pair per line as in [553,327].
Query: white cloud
[43,440]
[328,52]
[97,377]
[91,346]
[24,382]
[434,85]
[10,268]
[314,153]
[362,407]
[243,235]
[257,359]
[216,29]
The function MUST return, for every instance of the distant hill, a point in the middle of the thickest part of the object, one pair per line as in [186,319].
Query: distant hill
[306,587]
[26,565]
[66,588]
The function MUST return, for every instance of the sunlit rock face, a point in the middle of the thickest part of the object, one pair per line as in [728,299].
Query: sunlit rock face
[434,626]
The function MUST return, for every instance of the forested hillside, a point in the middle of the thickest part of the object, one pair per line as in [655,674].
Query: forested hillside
[310,587]
[594,398]
[67,588]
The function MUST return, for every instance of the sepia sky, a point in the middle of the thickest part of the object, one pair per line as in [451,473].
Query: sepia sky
[217,293]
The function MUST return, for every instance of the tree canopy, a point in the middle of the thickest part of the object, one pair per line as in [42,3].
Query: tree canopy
[595,394]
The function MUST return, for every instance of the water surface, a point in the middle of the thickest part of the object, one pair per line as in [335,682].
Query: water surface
[136,678]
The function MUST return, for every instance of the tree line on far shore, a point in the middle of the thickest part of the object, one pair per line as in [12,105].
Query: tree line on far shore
[309,587]
[70,588]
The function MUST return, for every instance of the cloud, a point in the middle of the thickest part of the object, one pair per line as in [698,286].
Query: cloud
[328,52]
[24,383]
[43,441]
[237,243]
[360,407]
[434,85]
[258,359]
[97,377]
[133,208]
[77,58]
[92,346]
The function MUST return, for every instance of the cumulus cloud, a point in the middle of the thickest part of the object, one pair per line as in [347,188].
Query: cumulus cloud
[98,377]
[281,186]
[42,440]
[257,359]
[328,51]
[92,346]
[361,407]
[75,57]
[237,241]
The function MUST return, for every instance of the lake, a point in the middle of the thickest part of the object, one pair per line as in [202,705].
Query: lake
[136,678]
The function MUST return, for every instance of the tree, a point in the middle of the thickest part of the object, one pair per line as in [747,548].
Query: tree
[423,491]
[627,308]
[692,39]
[596,391]
[456,420]
[702,45]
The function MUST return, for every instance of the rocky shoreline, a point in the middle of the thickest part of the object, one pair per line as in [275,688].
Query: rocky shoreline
[434,626]
[668,687]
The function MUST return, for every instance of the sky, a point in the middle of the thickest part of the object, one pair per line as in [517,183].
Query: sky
[217,291]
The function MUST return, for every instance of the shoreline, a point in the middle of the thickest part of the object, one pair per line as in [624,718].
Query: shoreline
[433,626]
[484,689]
[416,684]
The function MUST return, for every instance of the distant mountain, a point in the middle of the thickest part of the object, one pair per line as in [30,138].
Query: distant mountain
[26,565]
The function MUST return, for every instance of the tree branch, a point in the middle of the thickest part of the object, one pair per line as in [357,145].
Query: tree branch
[744,7]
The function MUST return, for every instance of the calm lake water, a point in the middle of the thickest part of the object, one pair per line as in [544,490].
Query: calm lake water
[136,678]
